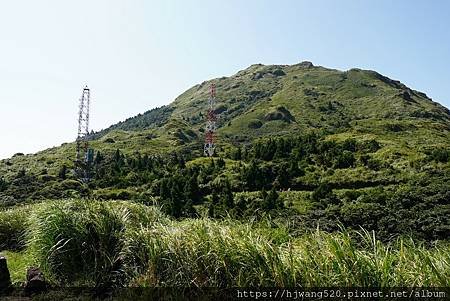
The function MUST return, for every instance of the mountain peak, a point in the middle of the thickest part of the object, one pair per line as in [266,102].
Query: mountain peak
[305,64]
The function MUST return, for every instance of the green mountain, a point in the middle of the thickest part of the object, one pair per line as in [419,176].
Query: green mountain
[336,147]
[275,100]
[302,151]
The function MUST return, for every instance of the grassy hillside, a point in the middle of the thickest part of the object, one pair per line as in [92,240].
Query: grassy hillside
[263,101]
[301,142]
[322,178]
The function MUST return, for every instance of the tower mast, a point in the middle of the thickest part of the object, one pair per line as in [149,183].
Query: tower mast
[210,130]
[84,156]
[83,124]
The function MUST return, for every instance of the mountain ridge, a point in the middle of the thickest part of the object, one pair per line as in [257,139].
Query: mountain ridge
[267,100]
[307,145]
[257,72]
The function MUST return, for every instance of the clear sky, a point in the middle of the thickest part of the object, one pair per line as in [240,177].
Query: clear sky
[136,55]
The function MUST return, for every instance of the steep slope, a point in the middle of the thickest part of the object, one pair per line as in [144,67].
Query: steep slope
[272,100]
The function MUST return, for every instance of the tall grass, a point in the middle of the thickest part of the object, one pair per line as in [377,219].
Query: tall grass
[207,253]
[13,226]
[325,259]
[119,243]
[80,242]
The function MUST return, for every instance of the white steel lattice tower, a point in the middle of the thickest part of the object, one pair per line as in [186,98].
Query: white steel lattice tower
[211,118]
[83,125]
[85,155]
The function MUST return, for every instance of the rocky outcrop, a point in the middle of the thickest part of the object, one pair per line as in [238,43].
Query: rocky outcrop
[280,113]
[35,281]
[305,64]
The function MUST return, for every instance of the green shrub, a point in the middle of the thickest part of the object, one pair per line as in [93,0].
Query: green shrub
[255,124]
[71,184]
[366,215]
[344,160]
[440,155]
[114,194]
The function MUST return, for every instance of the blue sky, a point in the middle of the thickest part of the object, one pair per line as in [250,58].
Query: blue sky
[136,55]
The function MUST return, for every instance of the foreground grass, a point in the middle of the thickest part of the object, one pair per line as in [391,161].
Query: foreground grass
[93,243]
[18,262]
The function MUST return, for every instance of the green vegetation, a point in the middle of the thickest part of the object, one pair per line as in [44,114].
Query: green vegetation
[13,225]
[357,104]
[321,177]
[341,182]
[96,243]
[18,262]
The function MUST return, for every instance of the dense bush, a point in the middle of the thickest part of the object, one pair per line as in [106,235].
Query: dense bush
[255,124]
[191,187]
[419,209]
[440,155]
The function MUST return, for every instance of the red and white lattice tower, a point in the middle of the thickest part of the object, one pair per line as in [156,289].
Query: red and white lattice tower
[210,130]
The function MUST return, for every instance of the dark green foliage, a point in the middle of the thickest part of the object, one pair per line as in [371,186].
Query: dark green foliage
[63,172]
[3,184]
[361,214]
[395,127]
[220,109]
[152,118]
[324,190]
[419,209]
[281,113]
[344,160]
[278,72]
[369,146]
[440,155]
[323,196]
[222,200]
[255,124]
[185,136]
[256,176]
[325,153]
[271,201]
[179,193]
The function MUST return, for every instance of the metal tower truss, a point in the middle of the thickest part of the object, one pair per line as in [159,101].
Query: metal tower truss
[211,126]
[84,156]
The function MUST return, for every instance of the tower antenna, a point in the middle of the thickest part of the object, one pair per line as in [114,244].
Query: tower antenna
[84,156]
[210,133]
